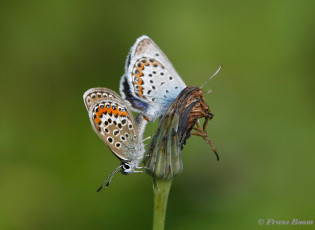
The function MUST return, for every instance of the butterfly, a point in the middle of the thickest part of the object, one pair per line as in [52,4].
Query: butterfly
[113,122]
[150,82]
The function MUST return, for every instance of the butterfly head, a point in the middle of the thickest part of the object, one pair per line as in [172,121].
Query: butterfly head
[128,167]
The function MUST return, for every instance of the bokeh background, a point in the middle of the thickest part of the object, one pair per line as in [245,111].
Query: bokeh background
[263,101]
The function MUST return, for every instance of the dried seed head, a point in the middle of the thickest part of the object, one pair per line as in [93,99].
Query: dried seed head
[164,161]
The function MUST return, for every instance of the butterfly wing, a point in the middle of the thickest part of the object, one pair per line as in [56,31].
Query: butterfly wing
[112,121]
[150,82]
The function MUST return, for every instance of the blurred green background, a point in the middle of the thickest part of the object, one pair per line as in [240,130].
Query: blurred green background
[263,101]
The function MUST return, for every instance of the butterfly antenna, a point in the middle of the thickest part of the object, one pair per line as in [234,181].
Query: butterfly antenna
[216,72]
[109,178]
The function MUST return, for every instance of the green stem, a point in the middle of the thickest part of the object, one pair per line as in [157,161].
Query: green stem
[161,190]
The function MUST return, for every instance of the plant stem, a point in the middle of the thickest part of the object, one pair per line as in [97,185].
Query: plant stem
[161,190]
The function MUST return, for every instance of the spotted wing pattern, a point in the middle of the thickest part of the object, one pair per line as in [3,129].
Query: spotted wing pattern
[112,121]
[150,82]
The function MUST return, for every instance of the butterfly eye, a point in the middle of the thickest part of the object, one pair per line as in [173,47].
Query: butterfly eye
[126,166]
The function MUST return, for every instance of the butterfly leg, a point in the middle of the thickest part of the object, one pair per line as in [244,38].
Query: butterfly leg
[148,155]
[147,138]
[139,167]
[138,171]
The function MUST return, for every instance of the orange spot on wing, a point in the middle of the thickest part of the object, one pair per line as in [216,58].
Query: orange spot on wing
[140,91]
[139,68]
[115,111]
[122,113]
[100,111]
[139,72]
[109,110]
[139,81]
[97,120]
